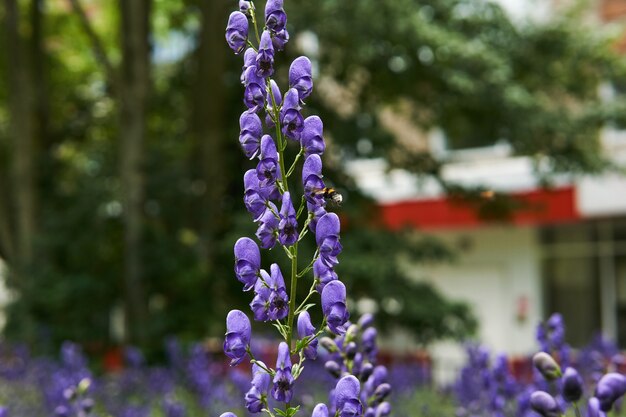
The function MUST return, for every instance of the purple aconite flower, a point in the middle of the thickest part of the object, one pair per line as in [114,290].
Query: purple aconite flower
[274,98]
[255,194]
[311,138]
[282,390]
[268,228]
[593,408]
[279,300]
[320,410]
[544,404]
[291,119]
[247,262]
[265,56]
[572,385]
[280,39]
[275,16]
[254,94]
[383,409]
[250,132]
[255,397]
[347,397]
[238,331]
[260,304]
[249,60]
[244,6]
[268,168]
[237,31]
[307,330]
[312,180]
[327,238]
[334,306]
[300,77]
[610,387]
[324,274]
[547,366]
[288,225]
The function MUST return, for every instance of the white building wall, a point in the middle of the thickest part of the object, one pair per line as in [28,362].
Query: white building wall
[498,269]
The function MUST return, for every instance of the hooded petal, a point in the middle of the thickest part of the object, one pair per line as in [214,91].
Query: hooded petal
[237,31]
[238,322]
[311,138]
[328,225]
[347,389]
[320,410]
[334,292]
[300,76]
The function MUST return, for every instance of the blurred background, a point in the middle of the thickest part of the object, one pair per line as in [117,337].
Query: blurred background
[479,148]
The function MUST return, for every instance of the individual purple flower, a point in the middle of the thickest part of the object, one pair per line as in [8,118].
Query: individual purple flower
[300,77]
[327,238]
[247,262]
[260,304]
[255,397]
[317,213]
[572,385]
[268,168]
[593,408]
[279,300]
[237,31]
[265,56]
[369,341]
[383,409]
[254,197]
[609,388]
[544,404]
[280,39]
[282,390]
[268,227]
[347,397]
[238,331]
[334,306]
[275,16]
[365,321]
[291,119]
[254,94]
[249,60]
[320,410]
[250,132]
[324,274]
[275,97]
[244,6]
[288,225]
[311,138]
[307,330]
[312,180]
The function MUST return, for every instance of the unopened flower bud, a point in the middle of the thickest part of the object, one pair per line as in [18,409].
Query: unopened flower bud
[351,350]
[84,385]
[382,391]
[383,409]
[365,321]
[333,368]
[366,371]
[328,344]
[572,388]
[547,366]
[351,332]
[544,404]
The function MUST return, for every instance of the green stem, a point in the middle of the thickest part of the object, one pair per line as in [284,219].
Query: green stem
[253,18]
[577,410]
[295,161]
[311,292]
[292,293]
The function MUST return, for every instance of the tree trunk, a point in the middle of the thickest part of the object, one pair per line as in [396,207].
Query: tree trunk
[22,122]
[207,122]
[133,96]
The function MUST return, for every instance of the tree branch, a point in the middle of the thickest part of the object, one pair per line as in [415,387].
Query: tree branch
[96,44]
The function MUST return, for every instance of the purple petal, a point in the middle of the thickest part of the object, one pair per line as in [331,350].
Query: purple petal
[347,389]
[268,148]
[328,225]
[311,138]
[237,31]
[334,292]
[312,166]
[283,361]
[300,76]
[238,322]
[305,327]
[320,410]
[246,248]
[276,277]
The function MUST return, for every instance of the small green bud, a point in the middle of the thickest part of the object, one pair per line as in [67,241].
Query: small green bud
[547,366]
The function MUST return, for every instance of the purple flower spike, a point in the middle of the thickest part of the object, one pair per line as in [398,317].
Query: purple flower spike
[268,228]
[282,390]
[247,262]
[347,397]
[275,16]
[544,404]
[238,332]
[250,133]
[334,306]
[288,226]
[259,386]
[311,138]
[327,238]
[237,31]
[280,39]
[265,57]
[572,388]
[320,410]
[300,76]
[306,329]
[268,168]
[609,388]
[291,119]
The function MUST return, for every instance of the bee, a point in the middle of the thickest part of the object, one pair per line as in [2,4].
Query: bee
[328,193]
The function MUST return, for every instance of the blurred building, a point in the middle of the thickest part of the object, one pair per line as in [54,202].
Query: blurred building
[564,251]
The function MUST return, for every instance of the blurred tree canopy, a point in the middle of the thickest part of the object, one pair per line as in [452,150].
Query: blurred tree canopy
[120,173]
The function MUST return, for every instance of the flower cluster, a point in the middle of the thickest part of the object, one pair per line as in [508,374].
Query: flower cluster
[271,122]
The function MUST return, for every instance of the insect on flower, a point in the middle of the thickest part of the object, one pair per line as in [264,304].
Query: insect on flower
[329,194]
